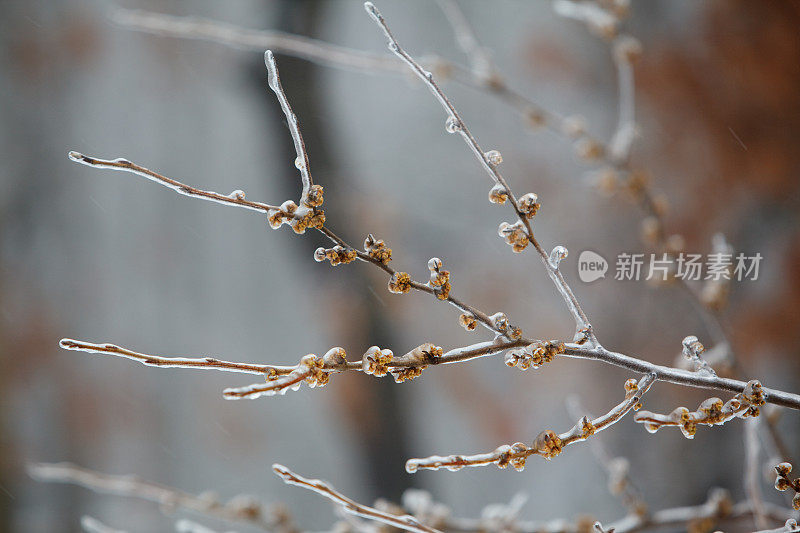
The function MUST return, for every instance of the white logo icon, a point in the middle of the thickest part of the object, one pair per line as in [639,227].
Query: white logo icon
[591,266]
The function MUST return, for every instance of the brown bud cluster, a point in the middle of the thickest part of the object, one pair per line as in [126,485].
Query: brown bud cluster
[784,482]
[337,255]
[514,234]
[529,205]
[377,249]
[468,321]
[400,283]
[317,377]
[711,411]
[534,355]
[300,218]
[514,455]
[547,444]
[440,279]
[375,361]
[314,196]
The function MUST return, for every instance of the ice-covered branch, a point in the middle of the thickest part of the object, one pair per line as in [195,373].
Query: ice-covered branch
[488,161]
[547,444]
[302,164]
[239,509]
[406,522]
[314,50]
[236,198]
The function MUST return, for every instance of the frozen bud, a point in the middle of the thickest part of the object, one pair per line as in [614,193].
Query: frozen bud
[289,207]
[651,229]
[375,361]
[588,149]
[631,386]
[434,264]
[468,322]
[500,321]
[493,157]
[452,125]
[377,249]
[514,332]
[783,469]
[574,126]
[237,195]
[400,283]
[335,358]
[796,507]
[782,484]
[637,181]
[338,255]
[498,194]
[299,163]
[314,196]
[514,234]
[529,204]
[406,374]
[558,254]
[753,393]
[692,347]
[547,444]
[535,117]
[627,49]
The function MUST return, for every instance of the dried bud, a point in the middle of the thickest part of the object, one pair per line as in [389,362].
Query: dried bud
[498,194]
[400,283]
[493,157]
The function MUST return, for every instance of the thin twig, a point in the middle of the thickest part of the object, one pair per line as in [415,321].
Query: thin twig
[547,444]
[407,522]
[236,510]
[457,124]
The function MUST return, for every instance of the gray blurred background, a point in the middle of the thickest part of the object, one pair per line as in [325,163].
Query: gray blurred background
[103,256]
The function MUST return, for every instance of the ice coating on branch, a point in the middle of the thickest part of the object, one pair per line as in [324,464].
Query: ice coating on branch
[557,255]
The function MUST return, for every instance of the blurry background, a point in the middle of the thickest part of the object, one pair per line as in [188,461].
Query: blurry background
[104,256]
